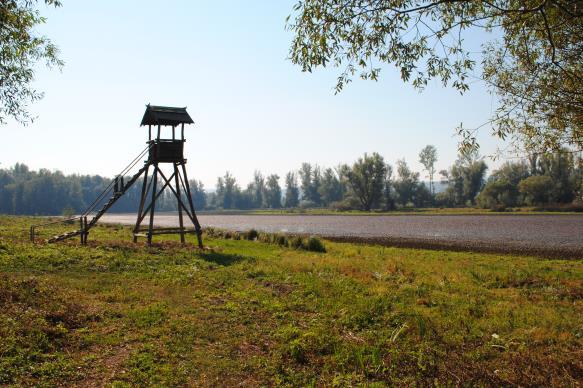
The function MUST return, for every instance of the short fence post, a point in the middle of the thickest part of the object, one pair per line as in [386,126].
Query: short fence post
[82,230]
[85,231]
[32,233]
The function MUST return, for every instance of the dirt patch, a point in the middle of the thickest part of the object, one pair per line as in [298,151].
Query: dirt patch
[110,366]
[279,289]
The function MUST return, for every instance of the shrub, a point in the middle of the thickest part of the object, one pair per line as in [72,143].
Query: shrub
[445,199]
[252,235]
[314,244]
[307,204]
[212,232]
[498,208]
[264,237]
[280,240]
[497,195]
[342,206]
[296,242]
[537,189]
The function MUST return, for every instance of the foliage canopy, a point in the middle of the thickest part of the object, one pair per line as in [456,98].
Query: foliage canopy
[366,178]
[534,68]
[21,48]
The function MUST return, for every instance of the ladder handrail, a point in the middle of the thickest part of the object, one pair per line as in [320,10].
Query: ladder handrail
[114,198]
[110,185]
[102,195]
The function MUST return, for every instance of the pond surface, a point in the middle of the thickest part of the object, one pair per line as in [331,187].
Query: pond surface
[534,231]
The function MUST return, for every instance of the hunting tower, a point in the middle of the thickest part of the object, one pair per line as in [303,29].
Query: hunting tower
[167,151]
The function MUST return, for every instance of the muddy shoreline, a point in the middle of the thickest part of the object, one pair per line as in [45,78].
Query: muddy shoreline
[559,253]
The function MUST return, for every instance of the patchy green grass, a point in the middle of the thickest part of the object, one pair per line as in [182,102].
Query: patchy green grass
[254,313]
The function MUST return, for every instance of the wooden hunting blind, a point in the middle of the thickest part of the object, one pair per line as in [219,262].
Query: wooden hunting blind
[166,150]
[162,150]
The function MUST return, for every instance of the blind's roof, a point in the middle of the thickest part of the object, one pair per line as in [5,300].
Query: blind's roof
[165,115]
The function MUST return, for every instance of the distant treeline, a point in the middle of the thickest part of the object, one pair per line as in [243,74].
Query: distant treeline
[44,192]
[369,183]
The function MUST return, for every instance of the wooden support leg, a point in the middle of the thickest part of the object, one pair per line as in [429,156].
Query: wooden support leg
[180,221]
[153,204]
[197,227]
[179,198]
[166,184]
[142,202]
[82,229]
[85,230]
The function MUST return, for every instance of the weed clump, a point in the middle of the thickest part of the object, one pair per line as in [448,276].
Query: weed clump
[252,235]
[314,244]
[296,242]
[302,346]
[264,238]
[280,240]
[212,232]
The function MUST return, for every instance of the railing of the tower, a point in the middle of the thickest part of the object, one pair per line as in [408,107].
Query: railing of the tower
[53,227]
[115,183]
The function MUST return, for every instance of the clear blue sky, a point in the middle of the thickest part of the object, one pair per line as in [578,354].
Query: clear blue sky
[226,61]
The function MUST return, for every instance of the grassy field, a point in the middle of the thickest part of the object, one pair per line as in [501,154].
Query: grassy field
[254,313]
